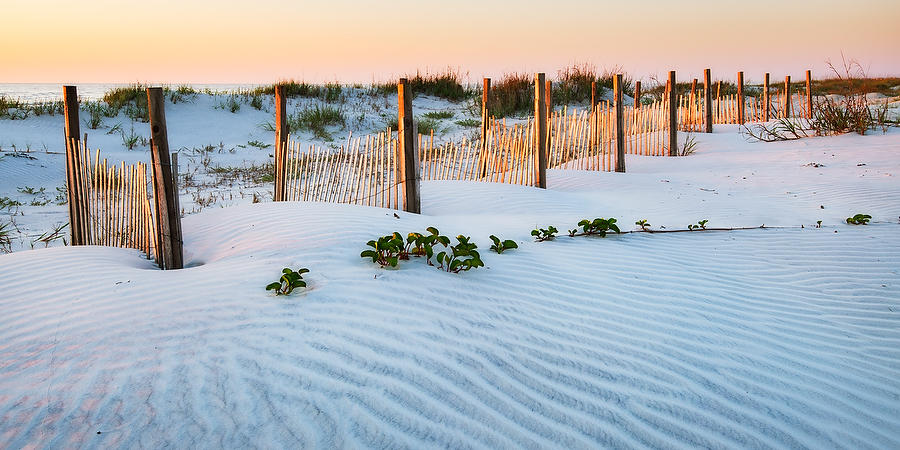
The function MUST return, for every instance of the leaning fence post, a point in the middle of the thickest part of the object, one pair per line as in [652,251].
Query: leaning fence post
[707,100]
[740,95]
[540,131]
[409,173]
[70,94]
[620,123]
[766,100]
[809,108]
[787,96]
[281,138]
[673,117]
[168,218]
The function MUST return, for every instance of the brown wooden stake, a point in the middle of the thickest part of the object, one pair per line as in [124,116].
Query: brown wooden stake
[409,172]
[485,119]
[809,103]
[76,209]
[707,100]
[766,99]
[281,137]
[164,193]
[620,123]
[787,96]
[740,98]
[673,116]
[540,131]
[637,94]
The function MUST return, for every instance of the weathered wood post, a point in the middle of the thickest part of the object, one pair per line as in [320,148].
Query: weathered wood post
[595,132]
[766,100]
[740,96]
[406,134]
[485,123]
[637,94]
[168,218]
[673,116]
[620,123]
[73,130]
[707,100]
[787,96]
[548,93]
[281,139]
[540,132]
[809,108]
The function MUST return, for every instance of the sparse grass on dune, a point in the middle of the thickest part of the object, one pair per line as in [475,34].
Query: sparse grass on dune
[444,85]
[573,83]
[511,95]
[317,119]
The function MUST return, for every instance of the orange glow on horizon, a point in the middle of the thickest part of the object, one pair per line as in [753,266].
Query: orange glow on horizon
[358,41]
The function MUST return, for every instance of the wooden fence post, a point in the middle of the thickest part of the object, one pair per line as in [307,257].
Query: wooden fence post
[809,108]
[620,123]
[540,132]
[707,100]
[637,94]
[593,96]
[766,100]
[673,116]
[281,138]
[76,232]
[787,96]
[740,96]
[164,192]
[406,134]
[485,123]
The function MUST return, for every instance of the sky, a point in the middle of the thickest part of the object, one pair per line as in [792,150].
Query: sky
[260,41]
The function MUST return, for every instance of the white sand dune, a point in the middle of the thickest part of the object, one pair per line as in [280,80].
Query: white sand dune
[762,338]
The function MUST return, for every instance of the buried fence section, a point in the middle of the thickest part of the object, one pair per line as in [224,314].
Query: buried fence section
[109,204]
[113,202]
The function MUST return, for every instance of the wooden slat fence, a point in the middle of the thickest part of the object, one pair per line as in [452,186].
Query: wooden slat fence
[113,202]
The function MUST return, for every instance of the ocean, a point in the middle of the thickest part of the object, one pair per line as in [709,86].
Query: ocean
[38,92]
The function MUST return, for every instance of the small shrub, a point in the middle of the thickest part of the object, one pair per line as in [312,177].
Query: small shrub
[317,119]
[859,219]
[502,246]
[426,126]
[460,257]
[5,240]
[438,115]
[469,123]
[288,282]
[645,226]
[256,102]
[544,234]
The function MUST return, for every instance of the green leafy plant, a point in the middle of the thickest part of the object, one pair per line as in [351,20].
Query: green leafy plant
[502,246]
[460,257]
[288,282]
[598,226]
[418,244]
[468,123]
[386,250]
[645,226]
[859,219]
[701,225]
[544,234]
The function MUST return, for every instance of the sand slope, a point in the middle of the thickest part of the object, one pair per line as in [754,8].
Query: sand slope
[762,338]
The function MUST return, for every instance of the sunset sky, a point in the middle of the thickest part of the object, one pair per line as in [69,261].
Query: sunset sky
[231,41]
